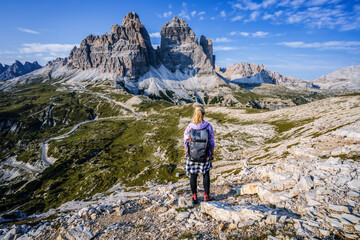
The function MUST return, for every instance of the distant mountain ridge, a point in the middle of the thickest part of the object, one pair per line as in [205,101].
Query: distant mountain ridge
[250,73]
[345,78]
[17,69]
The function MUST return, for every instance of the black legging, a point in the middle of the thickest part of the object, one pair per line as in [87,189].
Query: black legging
[206,181]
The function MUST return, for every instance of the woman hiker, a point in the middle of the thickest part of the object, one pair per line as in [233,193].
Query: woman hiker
[199,151]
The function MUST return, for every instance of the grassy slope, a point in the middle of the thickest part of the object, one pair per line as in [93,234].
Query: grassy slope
[102,153]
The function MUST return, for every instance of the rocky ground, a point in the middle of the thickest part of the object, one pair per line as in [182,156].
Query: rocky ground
[304,185]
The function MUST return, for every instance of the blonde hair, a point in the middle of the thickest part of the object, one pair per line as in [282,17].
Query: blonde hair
[199,113]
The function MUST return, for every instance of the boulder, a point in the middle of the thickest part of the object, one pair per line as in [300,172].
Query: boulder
[304,185]
[250,188]
[266,195]
[227,213]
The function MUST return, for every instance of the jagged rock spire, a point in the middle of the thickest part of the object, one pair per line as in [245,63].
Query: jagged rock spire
[127,50]
[180,50]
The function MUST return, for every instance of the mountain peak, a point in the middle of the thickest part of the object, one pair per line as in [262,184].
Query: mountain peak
[176,22]
[131,17]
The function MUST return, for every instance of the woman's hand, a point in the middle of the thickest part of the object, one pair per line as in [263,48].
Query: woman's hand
[185,152]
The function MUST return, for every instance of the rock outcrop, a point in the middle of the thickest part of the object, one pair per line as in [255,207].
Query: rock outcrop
[180,49]
[126,51]
[17,69]
[250,73]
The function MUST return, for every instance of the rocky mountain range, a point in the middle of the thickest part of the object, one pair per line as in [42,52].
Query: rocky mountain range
[17,69]
[181,69]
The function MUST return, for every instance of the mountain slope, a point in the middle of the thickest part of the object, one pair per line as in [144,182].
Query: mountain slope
[344,79]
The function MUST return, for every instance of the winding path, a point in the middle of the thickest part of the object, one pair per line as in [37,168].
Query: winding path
[44,145]
[110,100]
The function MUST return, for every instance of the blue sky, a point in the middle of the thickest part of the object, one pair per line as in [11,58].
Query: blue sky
[303,39]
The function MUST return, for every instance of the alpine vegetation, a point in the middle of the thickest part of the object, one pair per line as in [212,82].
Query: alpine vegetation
[92,145]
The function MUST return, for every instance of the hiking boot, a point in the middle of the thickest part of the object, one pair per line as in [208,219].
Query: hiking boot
[194,199]
[207,197]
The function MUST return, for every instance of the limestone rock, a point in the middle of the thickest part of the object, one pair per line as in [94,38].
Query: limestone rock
[183,215]
[127,50]
[224,212]
[250,188]
[304,185]
[180,50]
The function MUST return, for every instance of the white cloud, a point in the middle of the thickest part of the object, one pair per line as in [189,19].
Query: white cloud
[223,48]
[223,39]
[222,13]
[258,34]
[201,13]
[334,45]
[183,14]
[267,3]
[46,48]
[267,16]
[236,18]
[316,2]
[247,5]
[193,13]
[170,6]
[253,16]
[278,13]
[244,34]
[28,31]
[201,18]
[155,46]
[155,35]
[297,3]
[166,14]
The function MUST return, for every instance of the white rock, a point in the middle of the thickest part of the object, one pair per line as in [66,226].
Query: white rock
[271,219]
[312,203]
[339,208]
[324,232]
[181,216]
[182,202]
[335,223]
[333,160]
[79,232]
[250,188]
[352,218]
[224,212]
[354,185]
[267,196]
[353,194]
[277,176]
[282,219]
[245,223]
[357,227]
[351,236]
[304,185]
[282,185]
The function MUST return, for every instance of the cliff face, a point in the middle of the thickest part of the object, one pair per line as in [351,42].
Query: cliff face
[17,69]
[126,51]
[180,49]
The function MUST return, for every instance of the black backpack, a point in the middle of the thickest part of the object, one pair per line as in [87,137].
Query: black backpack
[198,145]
